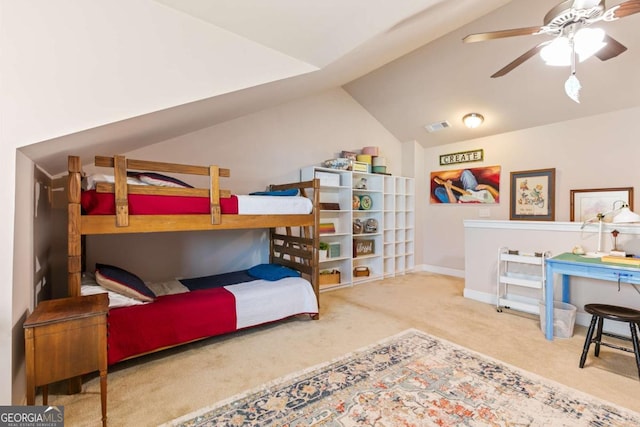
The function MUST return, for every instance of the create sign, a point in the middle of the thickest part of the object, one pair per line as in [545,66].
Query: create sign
[462,157]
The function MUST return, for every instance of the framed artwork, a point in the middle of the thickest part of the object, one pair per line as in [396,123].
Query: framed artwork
[471,185]
[533,195]
[587,204]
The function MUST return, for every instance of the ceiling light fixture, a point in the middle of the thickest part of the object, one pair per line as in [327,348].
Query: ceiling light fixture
[586,42]
[472,120]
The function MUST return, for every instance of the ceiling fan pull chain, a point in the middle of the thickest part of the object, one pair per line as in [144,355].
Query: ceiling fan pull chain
[572,86]
[573,56]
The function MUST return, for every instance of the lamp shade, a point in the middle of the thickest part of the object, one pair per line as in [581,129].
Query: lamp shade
[588,41]
[626,215]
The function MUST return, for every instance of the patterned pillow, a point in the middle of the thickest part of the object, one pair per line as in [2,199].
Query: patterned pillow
[115,299]
[118,280]
[152,178]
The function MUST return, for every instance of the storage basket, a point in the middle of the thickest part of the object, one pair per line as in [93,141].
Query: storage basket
[361,272]
[332,278]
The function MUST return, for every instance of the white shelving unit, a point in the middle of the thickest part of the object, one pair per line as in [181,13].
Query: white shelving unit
[373,185]
[392,207]
[521,278]
[399,220]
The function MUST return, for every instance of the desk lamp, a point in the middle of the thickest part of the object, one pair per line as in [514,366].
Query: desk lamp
[623,215]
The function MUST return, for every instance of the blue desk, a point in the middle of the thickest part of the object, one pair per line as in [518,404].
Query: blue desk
[568,264]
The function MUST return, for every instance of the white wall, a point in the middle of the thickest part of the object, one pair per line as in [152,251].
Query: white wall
[22,288]
[597,152]
[74,65]
[264,148]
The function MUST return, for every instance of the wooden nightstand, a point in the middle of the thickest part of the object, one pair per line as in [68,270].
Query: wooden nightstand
[66,338]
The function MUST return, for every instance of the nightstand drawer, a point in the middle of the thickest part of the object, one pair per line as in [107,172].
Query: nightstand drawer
[72,347]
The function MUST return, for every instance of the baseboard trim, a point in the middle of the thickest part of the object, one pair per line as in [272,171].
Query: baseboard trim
[440,270]
[479,296]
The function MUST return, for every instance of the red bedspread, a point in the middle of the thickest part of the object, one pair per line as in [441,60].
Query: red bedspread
[94,203]
[170,320]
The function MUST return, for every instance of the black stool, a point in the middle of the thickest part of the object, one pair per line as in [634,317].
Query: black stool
[618,314]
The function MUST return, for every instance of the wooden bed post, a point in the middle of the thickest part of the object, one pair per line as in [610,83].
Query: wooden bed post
[121,198]
[74,234]
[214,194]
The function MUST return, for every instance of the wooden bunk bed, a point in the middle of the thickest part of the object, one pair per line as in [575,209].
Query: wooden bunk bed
[293,237]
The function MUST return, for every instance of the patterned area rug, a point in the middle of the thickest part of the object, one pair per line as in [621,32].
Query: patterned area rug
[412,379]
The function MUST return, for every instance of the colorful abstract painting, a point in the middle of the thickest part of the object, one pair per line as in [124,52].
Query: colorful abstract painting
[470,185]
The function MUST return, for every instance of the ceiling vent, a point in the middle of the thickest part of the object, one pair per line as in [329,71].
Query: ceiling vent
[438,126]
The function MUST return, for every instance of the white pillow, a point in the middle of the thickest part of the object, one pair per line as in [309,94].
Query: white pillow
[89,182]
[167,287]
[115,299]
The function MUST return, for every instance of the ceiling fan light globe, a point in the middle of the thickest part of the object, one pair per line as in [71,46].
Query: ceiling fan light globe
[588,52]
[588,35]
[586,4]
[557,53]
[588,41]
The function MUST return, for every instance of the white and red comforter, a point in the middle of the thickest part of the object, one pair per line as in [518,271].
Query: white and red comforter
[188,316]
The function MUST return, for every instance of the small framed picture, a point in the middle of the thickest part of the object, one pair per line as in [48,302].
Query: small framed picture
[533,195]
[587,204]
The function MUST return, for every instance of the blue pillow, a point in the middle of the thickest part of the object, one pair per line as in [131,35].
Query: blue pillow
[123,282]
[272,272]
[290,192]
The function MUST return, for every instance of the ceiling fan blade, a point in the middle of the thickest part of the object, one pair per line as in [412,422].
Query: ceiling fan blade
[611,50]
[518,61]
[479,37]
[627,8]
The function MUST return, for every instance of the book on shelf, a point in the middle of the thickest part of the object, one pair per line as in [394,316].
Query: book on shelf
[327,227]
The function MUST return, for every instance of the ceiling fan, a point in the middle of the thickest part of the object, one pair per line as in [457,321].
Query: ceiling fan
[565,22]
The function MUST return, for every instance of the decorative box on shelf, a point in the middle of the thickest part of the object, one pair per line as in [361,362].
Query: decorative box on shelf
[363,247]
[361,167]
[329,277]
[334,250]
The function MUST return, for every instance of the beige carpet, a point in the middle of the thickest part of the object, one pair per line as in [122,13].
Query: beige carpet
[154,389]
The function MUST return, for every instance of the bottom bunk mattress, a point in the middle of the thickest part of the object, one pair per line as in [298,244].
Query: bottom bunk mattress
[204,307]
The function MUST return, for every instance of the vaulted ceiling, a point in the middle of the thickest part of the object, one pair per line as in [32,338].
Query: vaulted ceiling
[404,62]
[445,79]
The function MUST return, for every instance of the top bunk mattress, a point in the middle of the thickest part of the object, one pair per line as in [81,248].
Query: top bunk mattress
[94,203]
